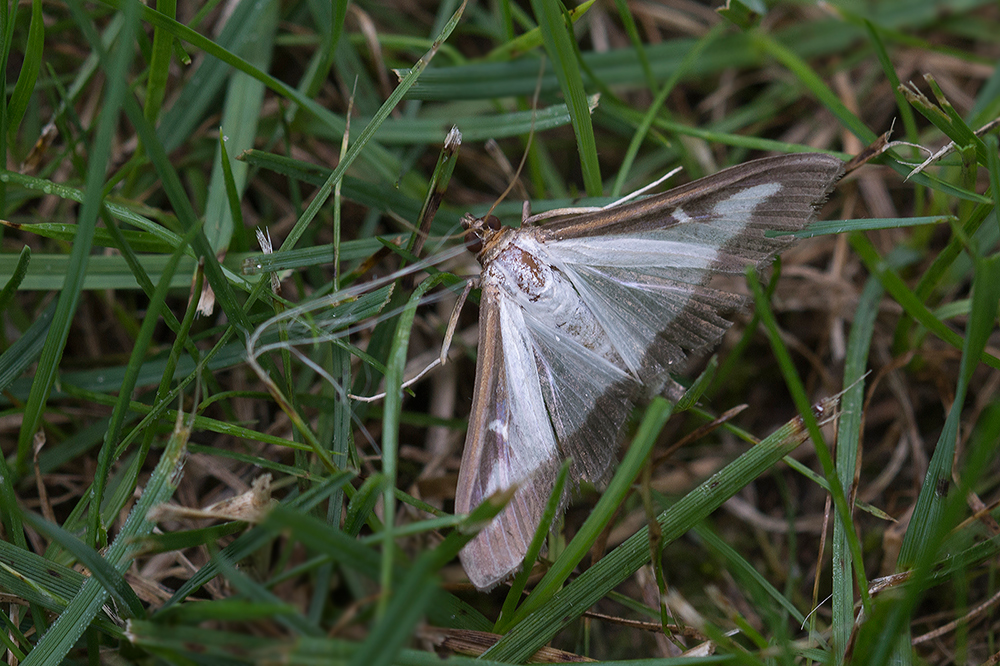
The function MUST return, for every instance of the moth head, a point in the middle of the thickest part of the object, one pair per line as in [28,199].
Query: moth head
[479,231]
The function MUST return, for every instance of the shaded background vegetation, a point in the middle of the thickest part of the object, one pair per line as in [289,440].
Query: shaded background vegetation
[117,184]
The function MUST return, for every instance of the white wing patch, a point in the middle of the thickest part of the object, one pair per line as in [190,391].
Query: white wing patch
[645,286]
[525,419]
[738,208]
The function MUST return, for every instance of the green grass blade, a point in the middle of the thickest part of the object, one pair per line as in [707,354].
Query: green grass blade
[159,64]
[807,75]
[390,424]
[895,286]
[638,455]
[240,114]
[805,409]
[848,441]
[538,628]
[993,166]
[112,436]
[558,37]
[16,277]
[69,297]
[127,603]
[366,135]
[80,612]
[925,524]
[21,94]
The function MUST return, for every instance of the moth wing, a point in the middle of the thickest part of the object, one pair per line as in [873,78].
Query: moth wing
[507,415]
[647,282]
[540,397]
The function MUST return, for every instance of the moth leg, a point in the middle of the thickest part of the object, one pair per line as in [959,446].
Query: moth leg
[445,346]
[410,382]
[453,321]
[526,214]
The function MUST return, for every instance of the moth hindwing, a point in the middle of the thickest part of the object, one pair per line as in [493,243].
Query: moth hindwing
[585,315]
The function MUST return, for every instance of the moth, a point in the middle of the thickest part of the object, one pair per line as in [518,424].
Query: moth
[585,315]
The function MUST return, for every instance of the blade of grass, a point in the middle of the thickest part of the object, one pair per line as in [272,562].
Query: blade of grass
[259,536]
[938,270]
[28,75]
[240,114]
[69,296]
[993,167]
[233,191]
[812,81]
[514,46]
[53,646]
[16,277]
[41,581]
[747,571]
[159,64]
[905,110]
[655,108]
[18,357]
[804,407]
[848,443]
[96,533]
[367,133]
[906,298]
[936,509]
[112,580]
[925,524]
[254,593]
[138,240]
[558,38]
[569,603]
[638,455]
[120,212]
[390,431]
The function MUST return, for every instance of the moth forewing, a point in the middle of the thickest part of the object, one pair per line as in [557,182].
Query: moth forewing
[587,314]
[491,462]
[805,180]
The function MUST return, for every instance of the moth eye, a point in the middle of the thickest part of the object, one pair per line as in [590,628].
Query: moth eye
[493,222]
[473,242]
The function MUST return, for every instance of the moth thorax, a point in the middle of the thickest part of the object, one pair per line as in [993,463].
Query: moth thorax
[477,229]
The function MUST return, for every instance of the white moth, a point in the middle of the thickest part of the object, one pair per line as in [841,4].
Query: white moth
[583,316]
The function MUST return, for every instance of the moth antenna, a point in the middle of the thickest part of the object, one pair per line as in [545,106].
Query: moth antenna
[412,228]
[517,174]
[455,236]
[643,190]
[527,147]
[509,172]
[582,210]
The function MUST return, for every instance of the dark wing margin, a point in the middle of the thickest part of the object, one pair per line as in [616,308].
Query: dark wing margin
[809,178]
